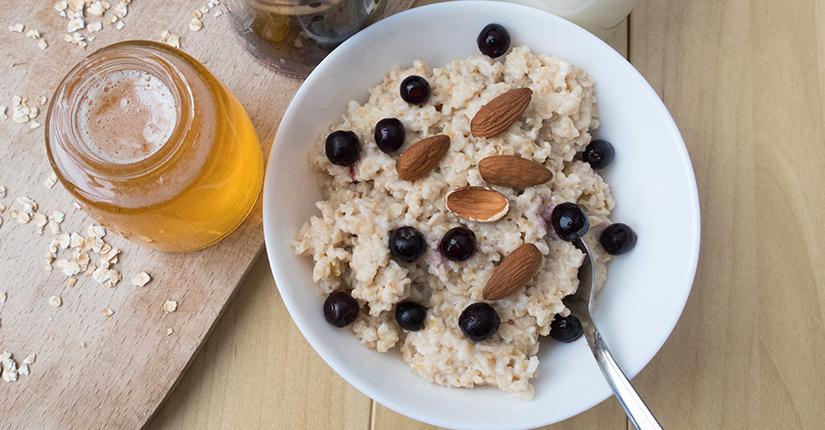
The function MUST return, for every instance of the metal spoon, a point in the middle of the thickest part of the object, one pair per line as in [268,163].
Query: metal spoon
[581,305]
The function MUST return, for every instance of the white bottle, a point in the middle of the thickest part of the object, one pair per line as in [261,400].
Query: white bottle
[599,17]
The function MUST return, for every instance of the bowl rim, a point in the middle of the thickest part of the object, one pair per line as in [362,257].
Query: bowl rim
[457,8]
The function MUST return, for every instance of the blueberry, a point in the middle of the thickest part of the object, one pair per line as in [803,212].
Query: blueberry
[342,148]
[458,244]
[407,244]
[389,135]
[569,221]
[410,315]
[340,309]
[566,329]
[599,153]
[479,321]
[415,90]
[494,40]
[618,238]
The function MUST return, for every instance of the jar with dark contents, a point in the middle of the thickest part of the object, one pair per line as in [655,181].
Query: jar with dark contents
[154,147]
[293,36]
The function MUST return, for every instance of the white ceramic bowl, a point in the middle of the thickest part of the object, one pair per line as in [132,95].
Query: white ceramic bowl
[651,178]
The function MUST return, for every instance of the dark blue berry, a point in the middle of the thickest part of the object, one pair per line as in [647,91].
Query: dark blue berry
[569,221]
[407,244]
[494,40]
[410,315]
[415,90]
[389,135]
[566,329]
[618,238]
[599,153]
[458,244]
[342,148]
[479,321]
[340,309]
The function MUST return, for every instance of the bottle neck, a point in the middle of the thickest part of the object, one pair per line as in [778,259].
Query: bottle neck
[69,120]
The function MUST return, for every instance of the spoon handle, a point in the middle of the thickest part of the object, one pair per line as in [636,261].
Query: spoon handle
[633,405]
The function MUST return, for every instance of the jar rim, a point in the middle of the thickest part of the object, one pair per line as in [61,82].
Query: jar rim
[144,56]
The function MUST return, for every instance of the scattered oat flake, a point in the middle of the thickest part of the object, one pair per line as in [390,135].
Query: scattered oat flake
[76,204]
[55,301]
[141,279]
[95,26]
[2,191]
[64,240]
[77,240]
[170,306]
[77,5]
[96,9]
[42,100]
[121,10]
[51,180]
[61,5]
[101,275]
[96,231]
[23,370]
[2,208]
[205,9]
[40,220]
[120,25]
[33,34]
[34,125]
[114,276]
[3,298]
[195,24]
[169,331]
[111,254]
[17,28]
[197,14]
[23,218]
[9,370]
[75,24]
[174,41]
[218,13]
[13,213]
[71,281]
[108,312]
[112,19]
[42,44]
[30,359]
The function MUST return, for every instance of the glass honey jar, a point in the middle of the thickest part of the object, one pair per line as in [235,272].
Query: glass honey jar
[154,147]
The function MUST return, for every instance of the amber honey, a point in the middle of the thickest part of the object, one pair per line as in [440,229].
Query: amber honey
[154,147]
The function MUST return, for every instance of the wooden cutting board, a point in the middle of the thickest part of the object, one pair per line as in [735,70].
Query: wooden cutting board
[93,371]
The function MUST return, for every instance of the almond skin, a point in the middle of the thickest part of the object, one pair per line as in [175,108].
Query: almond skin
[479,204]
[422,157]
[500,113]
[513,171]
[514,272]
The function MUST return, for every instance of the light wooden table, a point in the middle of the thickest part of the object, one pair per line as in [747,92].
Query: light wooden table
[745,82]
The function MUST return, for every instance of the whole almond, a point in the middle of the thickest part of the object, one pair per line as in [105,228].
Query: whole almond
[500,113]
[479,204]
[513,171]
[514,272]
[422,157]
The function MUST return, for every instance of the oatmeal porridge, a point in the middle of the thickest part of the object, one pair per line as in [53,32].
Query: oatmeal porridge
[364,203]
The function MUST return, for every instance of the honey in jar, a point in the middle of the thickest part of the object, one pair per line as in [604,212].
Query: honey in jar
[154,147]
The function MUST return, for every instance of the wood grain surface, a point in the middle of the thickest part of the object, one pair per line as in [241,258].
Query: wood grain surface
[742,78]
[744,81]
[92,371]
